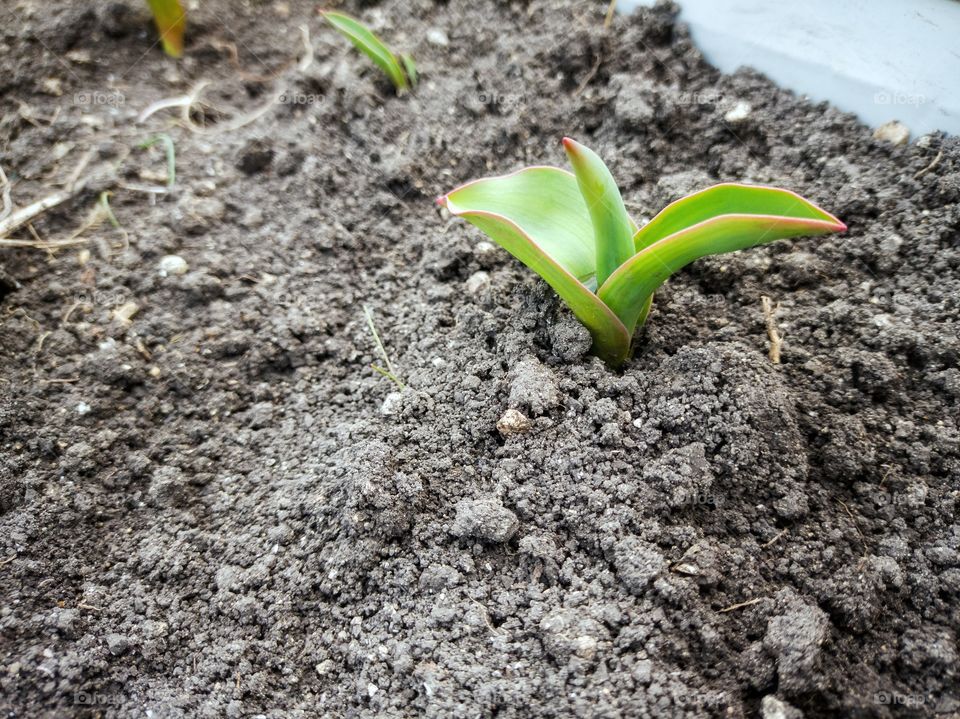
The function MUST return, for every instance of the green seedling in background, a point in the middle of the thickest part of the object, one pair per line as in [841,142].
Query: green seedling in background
[403,76]
[168,148]
[390,373]
[573,230]
[171,21]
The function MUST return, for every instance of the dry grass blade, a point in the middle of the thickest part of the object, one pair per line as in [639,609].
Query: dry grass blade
[389,372]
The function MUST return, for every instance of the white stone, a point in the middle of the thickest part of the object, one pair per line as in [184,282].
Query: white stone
[436,36]
[173,265]
[512,422]
[738,113]
[391,404]
[477,282]
[894,132]
[484,247]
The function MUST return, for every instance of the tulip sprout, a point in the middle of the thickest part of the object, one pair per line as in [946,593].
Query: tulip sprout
[573,230]
[171,21]
[402,72]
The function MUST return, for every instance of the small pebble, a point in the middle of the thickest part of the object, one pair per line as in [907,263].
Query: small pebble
[512,422]
[486,519]
[436,36]
[738,113]
[894,132]
[125,312]
[391,404]
[52,86]
[477,282]
[173,265]
[83,408]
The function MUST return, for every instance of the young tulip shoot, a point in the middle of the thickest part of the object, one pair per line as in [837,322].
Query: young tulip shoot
[402,72]
[573,230]
[171,21]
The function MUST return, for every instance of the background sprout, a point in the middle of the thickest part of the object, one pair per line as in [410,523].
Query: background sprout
[573,230]
[402,72]
[171,21]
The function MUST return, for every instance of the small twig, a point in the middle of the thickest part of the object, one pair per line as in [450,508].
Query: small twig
[42,244]
[34,234]
[7,203]
[6,561]
[65,380]
[856,525]
[485,615]
[229,125]
[741,605]
[74,179]
[19,218]
[23,216]
[40,340]
[389,372]
[885,475]
[776,341]
[307,58]
[611,9]
[139,187]
[925,170]
[772,541]
[168,102]
[82,605]
[593,71]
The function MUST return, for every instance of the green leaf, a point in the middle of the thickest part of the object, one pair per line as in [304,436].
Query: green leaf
[370,45]
[612,227]
[766,214]
[171,21]
[410,66]
[728,198]
[171,154]
[539,216]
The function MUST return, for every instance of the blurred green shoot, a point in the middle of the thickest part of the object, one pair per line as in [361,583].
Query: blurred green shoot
[402,72]
[167,143]
[171,21]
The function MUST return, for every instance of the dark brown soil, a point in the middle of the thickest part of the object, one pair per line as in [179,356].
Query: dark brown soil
[219,509]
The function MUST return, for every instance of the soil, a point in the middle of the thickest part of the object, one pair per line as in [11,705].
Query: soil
[215,507]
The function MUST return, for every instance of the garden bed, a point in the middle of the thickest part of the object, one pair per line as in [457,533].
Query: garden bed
[213,506]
